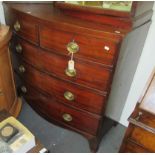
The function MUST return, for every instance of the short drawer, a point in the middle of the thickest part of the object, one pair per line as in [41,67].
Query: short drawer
[88,74]
[61,113]
[95,49]
[66,92]
[24,26]
[143,138]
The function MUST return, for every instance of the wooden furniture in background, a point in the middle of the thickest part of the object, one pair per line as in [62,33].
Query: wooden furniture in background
[8,96]
[140,134]
[42,36]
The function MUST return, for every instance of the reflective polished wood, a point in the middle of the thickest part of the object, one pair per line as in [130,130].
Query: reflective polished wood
[8,96]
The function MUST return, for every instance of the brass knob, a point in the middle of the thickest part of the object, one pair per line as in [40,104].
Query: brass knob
[19,48]
[23,89]
[70,73]
[72,47]
[69,96]
[17,26]
[67,117]
[21,69]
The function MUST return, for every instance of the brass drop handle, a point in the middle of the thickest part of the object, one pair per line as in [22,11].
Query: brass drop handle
[72,47]
[69,96]
[67,117]
[70,73]
[17,26]
[23,89]
[21,69]
[139,115]
[19,48]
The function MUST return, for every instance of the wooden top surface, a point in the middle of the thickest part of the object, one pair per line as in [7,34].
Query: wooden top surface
[48,13]
[145,121]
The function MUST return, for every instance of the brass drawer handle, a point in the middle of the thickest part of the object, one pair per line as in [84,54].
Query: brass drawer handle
[70,73]
[67,117]
[69,96]
[19,48]
[21,69]
[139,115]
[72,47]
[17,26]
[23,89]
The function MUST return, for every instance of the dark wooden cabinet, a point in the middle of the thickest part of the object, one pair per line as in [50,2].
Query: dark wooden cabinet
[42,34]
[140,134]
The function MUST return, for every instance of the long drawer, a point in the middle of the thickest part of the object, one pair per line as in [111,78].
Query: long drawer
[61,113]
[88,74]
[131,147]
[66,92]
[139,136]
[96,49]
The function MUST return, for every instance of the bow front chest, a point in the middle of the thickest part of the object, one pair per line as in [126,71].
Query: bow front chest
[45,40]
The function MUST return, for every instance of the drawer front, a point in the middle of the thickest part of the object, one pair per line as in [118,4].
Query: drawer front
[144,138]
[66,92]
[61,113]
[99,50]
[130,147]
[87,74]
[24,26]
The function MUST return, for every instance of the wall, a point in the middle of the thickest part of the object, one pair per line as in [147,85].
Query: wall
[129,57]
[134,67]
[1,14]
[144,69]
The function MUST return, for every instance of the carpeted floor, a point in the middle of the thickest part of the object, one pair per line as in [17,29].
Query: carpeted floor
[59,140]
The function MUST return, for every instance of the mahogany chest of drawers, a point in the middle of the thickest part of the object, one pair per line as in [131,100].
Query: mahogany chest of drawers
[74,100]
[140,134]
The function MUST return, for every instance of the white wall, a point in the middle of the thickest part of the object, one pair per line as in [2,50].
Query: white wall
[134,67]
[130,53]
[1,14]
[144,69]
